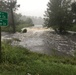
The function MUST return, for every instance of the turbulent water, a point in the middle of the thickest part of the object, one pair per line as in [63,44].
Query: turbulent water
[45,41]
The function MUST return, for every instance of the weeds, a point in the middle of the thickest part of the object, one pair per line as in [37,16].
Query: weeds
[20,61]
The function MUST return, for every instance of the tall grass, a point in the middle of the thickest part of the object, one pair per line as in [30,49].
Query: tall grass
[20,61]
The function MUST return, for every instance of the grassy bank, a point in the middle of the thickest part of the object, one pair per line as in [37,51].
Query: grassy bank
[20,61]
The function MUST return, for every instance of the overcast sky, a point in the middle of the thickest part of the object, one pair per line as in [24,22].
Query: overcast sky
[32,7]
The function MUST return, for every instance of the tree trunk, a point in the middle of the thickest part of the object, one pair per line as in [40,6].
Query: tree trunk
[13,24]
[60,30]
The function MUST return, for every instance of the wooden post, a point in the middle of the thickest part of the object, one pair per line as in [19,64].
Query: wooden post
[0,47]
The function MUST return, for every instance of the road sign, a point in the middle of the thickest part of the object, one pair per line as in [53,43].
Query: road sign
[3,18]
[3,22]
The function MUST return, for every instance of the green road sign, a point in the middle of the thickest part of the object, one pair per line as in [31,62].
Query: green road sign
[3,18]
[3,22]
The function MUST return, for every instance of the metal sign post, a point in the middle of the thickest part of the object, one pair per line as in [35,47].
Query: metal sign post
[3,22]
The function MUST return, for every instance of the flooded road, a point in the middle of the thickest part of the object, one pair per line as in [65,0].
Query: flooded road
[34,40]
[45,41]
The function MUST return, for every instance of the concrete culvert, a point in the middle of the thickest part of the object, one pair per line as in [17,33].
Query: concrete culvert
[23,30]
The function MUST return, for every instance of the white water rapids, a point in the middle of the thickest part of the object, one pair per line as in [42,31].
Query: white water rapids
[44,40]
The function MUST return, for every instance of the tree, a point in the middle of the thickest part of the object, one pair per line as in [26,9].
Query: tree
[58,15]
[17,18]
[9,6]
[29,21]
[73,6]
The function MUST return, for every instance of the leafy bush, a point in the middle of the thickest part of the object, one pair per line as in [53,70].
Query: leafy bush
[73,28]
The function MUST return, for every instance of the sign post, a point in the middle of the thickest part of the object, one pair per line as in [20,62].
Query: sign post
[3,22]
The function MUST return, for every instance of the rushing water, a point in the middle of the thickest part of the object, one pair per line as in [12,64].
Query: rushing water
[44,40]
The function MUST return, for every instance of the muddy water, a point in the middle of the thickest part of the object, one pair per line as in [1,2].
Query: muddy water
[34,40]
[45,41]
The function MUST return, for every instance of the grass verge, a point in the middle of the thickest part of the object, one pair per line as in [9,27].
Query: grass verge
[20,61]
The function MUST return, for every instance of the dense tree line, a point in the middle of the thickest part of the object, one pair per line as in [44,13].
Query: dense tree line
[60,15]
[36,20]
[21,19]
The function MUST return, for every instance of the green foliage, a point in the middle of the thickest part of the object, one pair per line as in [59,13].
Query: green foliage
[16,55]
[9,6]
[74,7]
[29,21]
[21,19]
[73,28]
[58,15]
[19,27]
[20,61]
[17,18]
[74,11]
[6,29]
[5,5]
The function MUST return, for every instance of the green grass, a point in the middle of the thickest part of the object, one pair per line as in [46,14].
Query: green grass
[20,61]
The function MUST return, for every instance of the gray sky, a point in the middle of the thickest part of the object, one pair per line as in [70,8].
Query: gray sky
[32,7]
